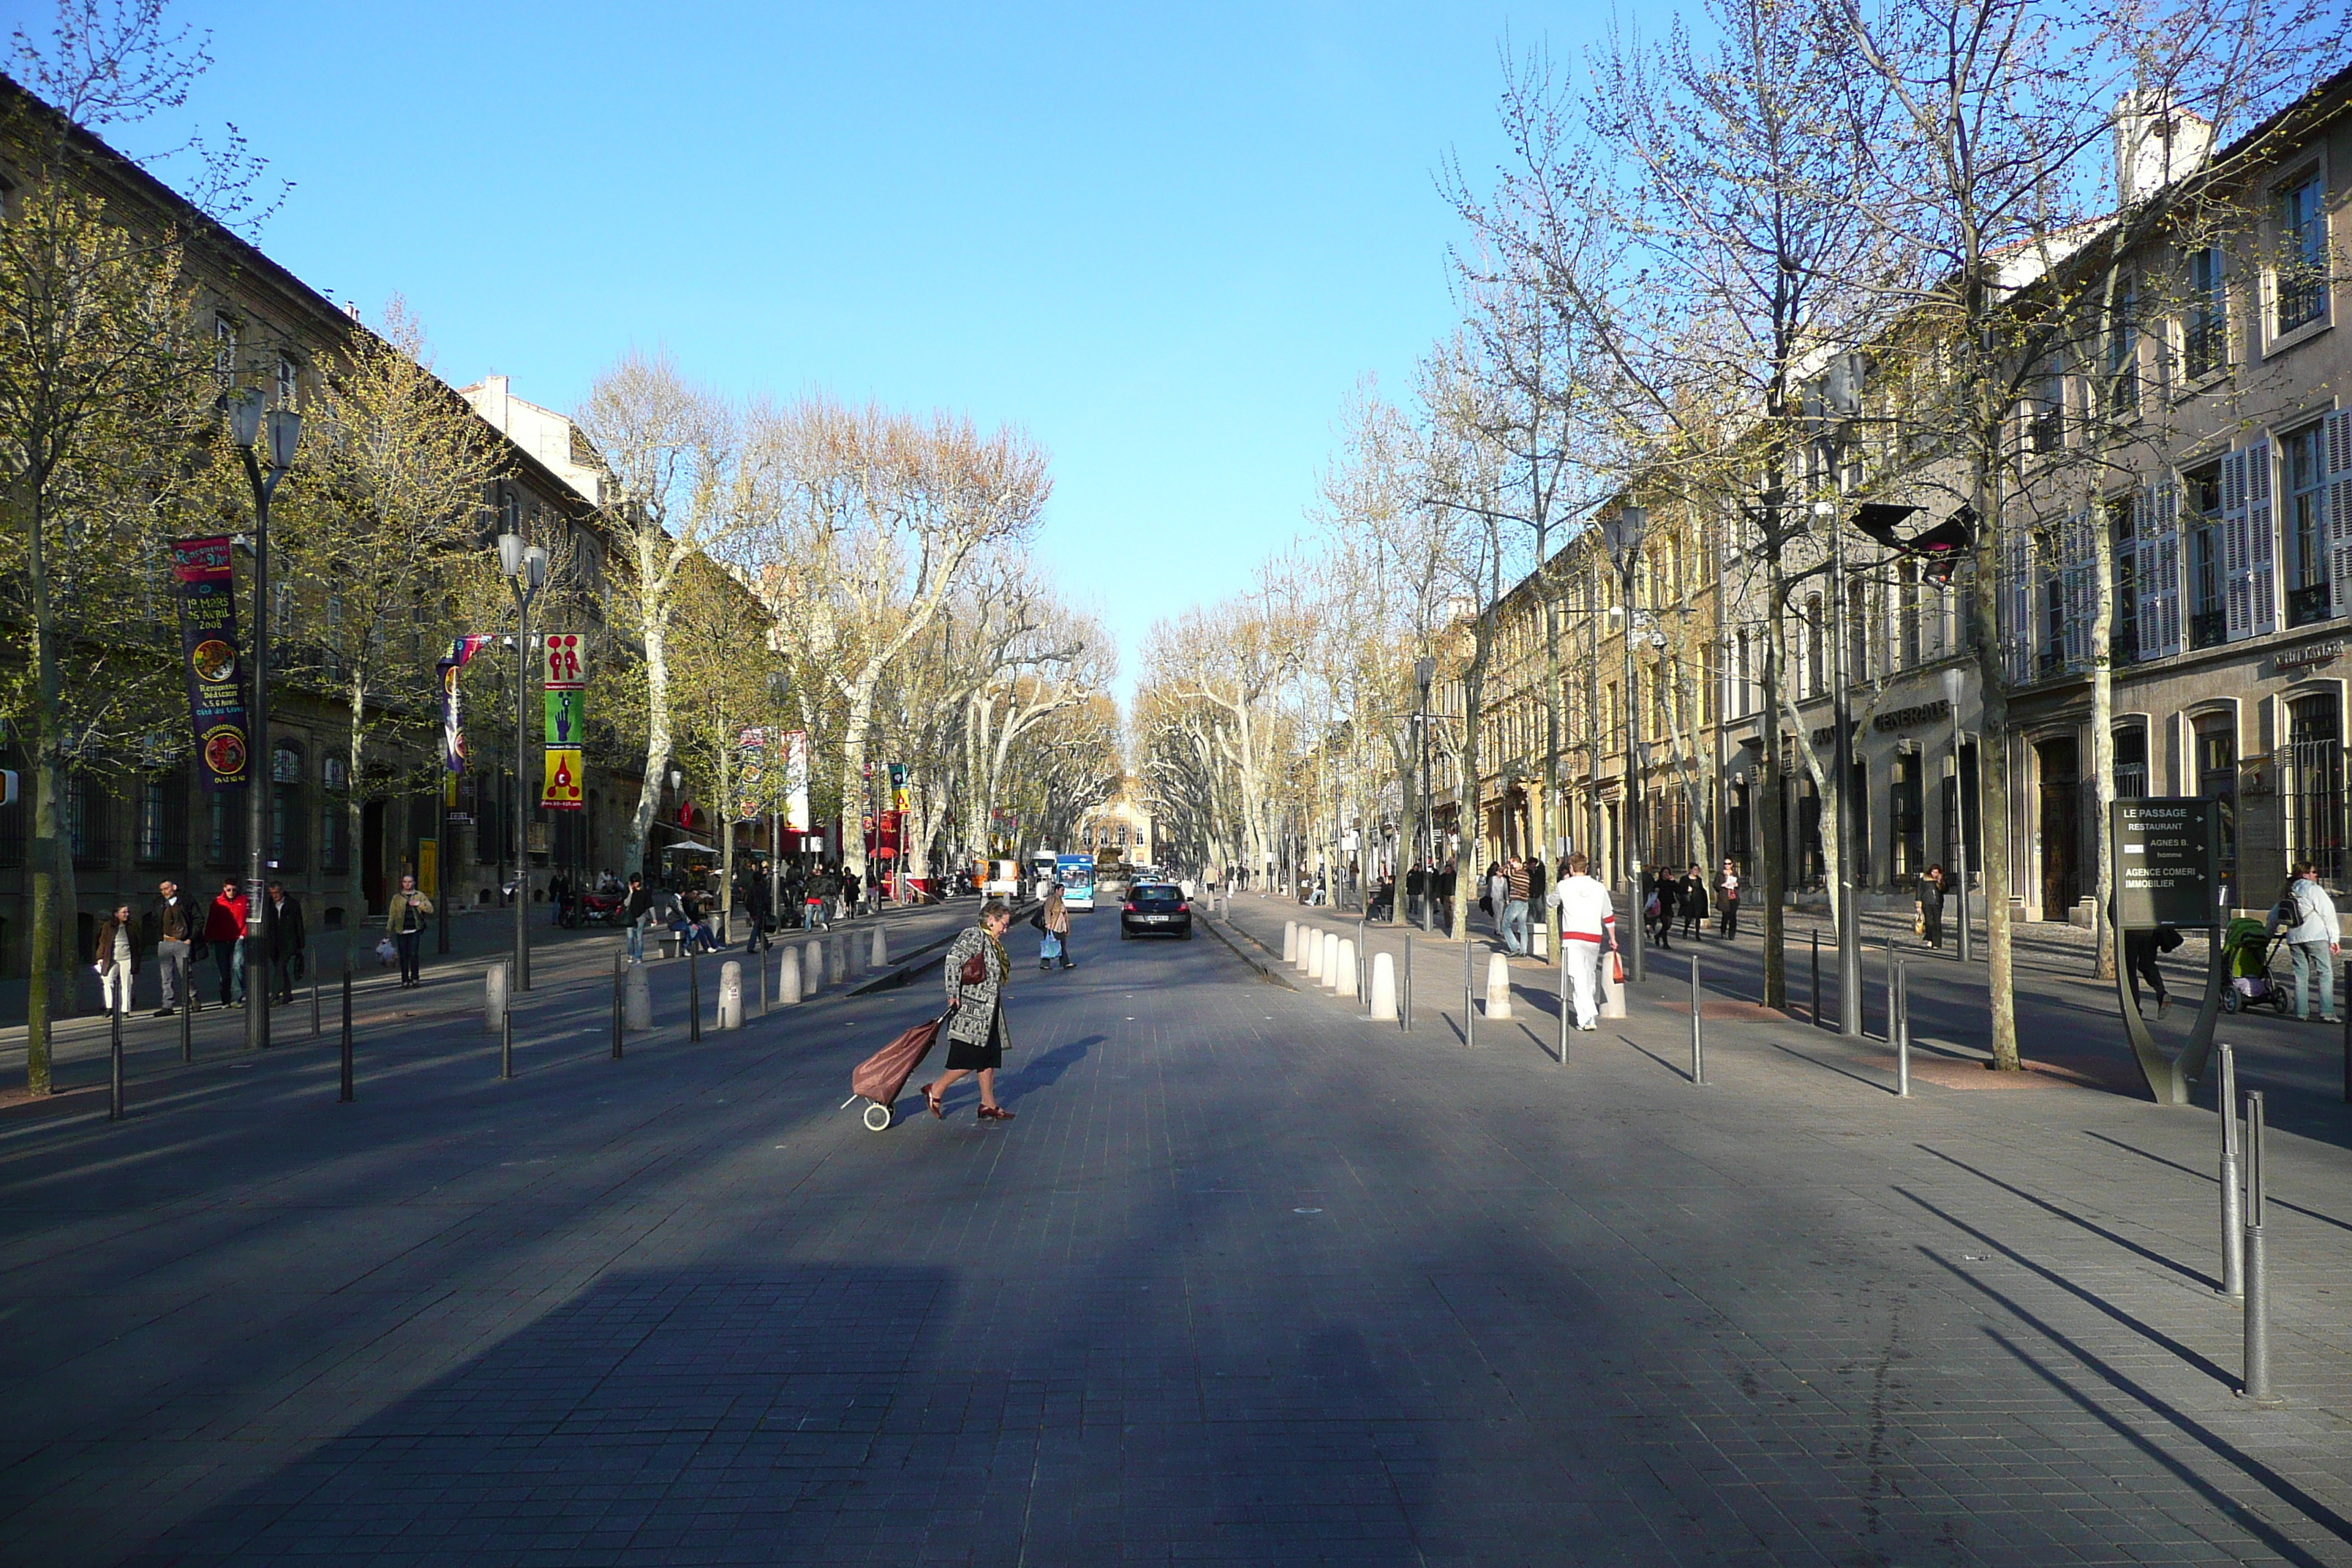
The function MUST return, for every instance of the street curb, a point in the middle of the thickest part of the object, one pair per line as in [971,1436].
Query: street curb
[1268,975]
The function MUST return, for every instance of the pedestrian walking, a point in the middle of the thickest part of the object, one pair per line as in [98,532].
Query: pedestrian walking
[1691,894]
[752,892]
[976,970]
[1445,890]
[405,923]
[1658,910]
[1931,908]
[225,934]
[1053,924]
[1539,886]
[2306,915]
[1514,923]
[175,929]
[849,894]
[116,960]
[1588,928]
[1416,888]
[1727,888]
[638,912]
[2141,948]
[283,934]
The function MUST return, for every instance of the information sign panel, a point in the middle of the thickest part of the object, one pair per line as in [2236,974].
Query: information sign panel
[2167,863]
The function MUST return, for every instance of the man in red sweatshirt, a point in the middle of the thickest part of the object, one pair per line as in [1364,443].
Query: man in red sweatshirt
[224,931]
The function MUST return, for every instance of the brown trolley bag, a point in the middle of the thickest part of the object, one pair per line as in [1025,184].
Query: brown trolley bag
[881,1076]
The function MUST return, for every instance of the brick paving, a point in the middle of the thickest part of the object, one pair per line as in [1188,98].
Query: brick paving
[1248,1281]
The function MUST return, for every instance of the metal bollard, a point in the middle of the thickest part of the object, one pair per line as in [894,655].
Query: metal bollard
[693,995]
[2234,1241]
[2257,1391]
[1469,995]
[760,962]
[345,1097]
[1566,1023]
[506,1041]
[1405,1012]
[1816,1019]
[316,1029]
[1898,1023]
[1698,1038]
[1890,992]
[620,967]
[188,1014]
[114,1079]
[2344,1006]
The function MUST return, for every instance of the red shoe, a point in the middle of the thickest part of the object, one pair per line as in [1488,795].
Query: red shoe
[933,1101]
[994,1113]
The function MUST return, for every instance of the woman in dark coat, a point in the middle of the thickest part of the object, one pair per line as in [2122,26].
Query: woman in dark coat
[975,1028]
[1693,892]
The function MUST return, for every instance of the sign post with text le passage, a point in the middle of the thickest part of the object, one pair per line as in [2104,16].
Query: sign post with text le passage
[2166,851]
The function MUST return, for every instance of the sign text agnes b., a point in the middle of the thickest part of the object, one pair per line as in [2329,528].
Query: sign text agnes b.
[2167,863]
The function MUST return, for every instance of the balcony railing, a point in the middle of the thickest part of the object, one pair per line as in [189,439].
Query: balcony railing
[2308,607]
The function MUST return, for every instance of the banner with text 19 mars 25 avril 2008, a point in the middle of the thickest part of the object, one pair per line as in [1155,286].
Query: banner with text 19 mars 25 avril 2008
[208,652]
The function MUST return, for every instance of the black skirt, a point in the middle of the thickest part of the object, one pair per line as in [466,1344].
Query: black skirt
[970,1055]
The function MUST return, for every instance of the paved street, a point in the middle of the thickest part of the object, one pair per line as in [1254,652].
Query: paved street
[1249,1281]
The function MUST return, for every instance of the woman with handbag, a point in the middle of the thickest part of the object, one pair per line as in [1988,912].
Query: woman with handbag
[1053,922]
[975,970]
[405,923]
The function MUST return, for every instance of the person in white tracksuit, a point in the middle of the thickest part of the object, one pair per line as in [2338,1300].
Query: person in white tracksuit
[1588,928]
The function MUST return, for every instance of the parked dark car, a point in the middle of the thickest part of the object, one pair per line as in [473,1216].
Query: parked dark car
[1155,908]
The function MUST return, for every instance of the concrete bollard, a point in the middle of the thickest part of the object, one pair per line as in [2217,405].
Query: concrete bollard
[1499,986]
[879,957]
[1384,989]
[840,966]
[788,978]
[1310,941]
[1346,985]
[1330,977]
[637,999]
[812,967]
[730,995]
[1540,940]
[494,999]
[1290,941]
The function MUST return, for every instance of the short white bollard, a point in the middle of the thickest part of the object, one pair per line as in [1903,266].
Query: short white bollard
[1290,941]
[1346,983]
[1311,942]
[1540,940]
[637,998]
[1384,995]
[1330,976]
[730,995]
[788,978]
[494,998]
[880,956]
[812,967]
[853,955]
[841,957]
[1499,986]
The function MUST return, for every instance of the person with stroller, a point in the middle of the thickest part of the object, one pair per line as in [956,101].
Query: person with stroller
[975,970]
[2306,917]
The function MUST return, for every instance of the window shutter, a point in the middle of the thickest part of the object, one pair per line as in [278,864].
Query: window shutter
[2237,549]
[2337,451]
[2156,530]
[2263,576]
[2077,558]
[2017,605]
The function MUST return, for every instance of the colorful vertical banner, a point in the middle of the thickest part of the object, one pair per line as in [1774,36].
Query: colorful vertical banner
[752,774]
[565,672]
[208,650]
[898,786]
[796,780]
[453,733]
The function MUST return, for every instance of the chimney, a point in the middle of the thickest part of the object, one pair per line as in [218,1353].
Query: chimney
[2156,143]
[352,309]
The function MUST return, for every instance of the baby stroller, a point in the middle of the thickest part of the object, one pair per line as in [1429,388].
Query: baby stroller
[2247,946]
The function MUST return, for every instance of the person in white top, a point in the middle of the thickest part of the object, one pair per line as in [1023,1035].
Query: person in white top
[2306,916]
[1587,927]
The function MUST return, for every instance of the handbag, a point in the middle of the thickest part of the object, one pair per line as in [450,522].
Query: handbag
[1037,921]
[1616,968]
[386,953]
[974,970]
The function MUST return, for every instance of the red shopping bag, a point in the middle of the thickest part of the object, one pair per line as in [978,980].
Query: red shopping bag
[881,1076]
[1616,967]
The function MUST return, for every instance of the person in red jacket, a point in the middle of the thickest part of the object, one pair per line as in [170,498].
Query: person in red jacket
[225,931]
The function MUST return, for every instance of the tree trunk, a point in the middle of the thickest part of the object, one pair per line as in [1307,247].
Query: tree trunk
[1992,784]
[651,629]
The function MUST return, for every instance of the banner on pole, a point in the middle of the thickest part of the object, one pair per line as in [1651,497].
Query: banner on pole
[208,652]
[567,661]
[797,781]
[453,734]
[561,789]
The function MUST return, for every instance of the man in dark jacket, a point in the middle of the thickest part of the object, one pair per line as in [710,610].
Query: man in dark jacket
[751,893]
[176,925]
[636,912]
[283,937]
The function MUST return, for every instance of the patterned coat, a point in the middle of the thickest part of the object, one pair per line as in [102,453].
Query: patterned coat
[979,1003]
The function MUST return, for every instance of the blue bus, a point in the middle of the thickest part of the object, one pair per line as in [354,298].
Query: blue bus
[1076,874]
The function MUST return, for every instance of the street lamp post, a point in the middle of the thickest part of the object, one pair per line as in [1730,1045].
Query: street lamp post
[248,424]
[1624,535]
[1848,922]
[779,687]
[526,571]
[1424,671]
[1959,810]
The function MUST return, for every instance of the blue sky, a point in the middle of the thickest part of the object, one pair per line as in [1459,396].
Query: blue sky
[1168,241]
